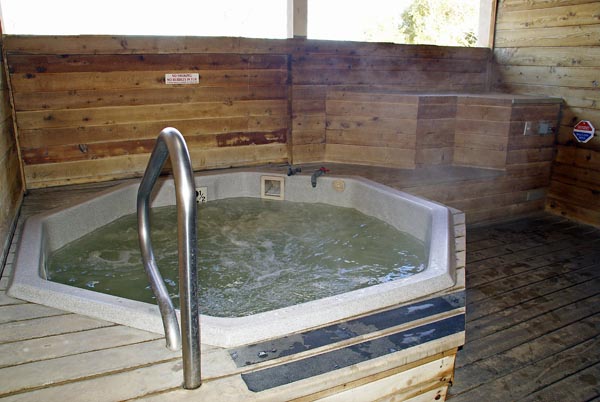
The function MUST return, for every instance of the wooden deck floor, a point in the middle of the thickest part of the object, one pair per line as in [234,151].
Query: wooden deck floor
[533,313]
[533,327]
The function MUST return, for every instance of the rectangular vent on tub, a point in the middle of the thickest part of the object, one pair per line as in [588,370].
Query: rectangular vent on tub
[272,187]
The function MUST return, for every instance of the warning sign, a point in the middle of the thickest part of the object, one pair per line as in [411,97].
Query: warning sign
[182,78]
[584,131]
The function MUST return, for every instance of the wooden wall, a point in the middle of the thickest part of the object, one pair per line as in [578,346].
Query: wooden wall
[88,108]
[436,130]
[371,128]
[447,132]
[323,70]
[553,48]
[11,185]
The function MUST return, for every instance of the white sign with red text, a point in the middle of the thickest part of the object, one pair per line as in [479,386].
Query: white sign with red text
[182,78]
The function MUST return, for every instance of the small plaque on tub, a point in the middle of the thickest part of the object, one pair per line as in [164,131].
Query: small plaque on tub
[339,185]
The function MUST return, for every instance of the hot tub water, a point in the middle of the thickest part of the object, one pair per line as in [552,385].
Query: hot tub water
[253,255]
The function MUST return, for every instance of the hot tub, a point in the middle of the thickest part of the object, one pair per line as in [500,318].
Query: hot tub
[427,221]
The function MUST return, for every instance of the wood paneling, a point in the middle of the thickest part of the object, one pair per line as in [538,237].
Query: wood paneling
[482,132]
[552,48]
[436,123]
[585,35]
[127,45]
[88,108]
[371,128]
[89,117]
[11,185]
[373,76]
[562,15]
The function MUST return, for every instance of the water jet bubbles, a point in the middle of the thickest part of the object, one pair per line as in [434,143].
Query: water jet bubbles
[301,255]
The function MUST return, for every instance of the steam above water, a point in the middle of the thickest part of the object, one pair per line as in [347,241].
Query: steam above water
[253,255]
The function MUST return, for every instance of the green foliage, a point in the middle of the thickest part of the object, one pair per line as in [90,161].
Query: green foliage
[440,22]
[435,22]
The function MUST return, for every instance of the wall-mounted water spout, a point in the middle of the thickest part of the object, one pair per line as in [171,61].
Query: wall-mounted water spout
[292,170]
[319,172]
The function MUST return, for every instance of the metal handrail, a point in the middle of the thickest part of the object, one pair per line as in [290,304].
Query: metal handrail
[170,142]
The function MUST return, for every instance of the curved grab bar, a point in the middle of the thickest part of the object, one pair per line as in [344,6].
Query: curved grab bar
[170,142]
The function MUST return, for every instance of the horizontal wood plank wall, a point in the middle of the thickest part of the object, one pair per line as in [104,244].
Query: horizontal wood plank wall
[553,48]
[88,108]
[85,117]
[321,68]
[487,132]
[527,162]
[371,128]
[387,128]
[436,127]
[482,131]
[11,185]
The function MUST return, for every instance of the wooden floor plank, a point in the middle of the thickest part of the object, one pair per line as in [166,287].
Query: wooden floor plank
[528,292]
[518,256]
[533,325]
[554,369]
[499,272]
[483,244]
[29,376]
[530,309]
[115,387]
[50,347]
[534,374]
[26,311]
[503,249]
[527,331]
[518,229]
[48,326]
[582,386]
[574,267]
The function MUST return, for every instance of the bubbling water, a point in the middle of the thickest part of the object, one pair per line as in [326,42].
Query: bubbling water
[253,255]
